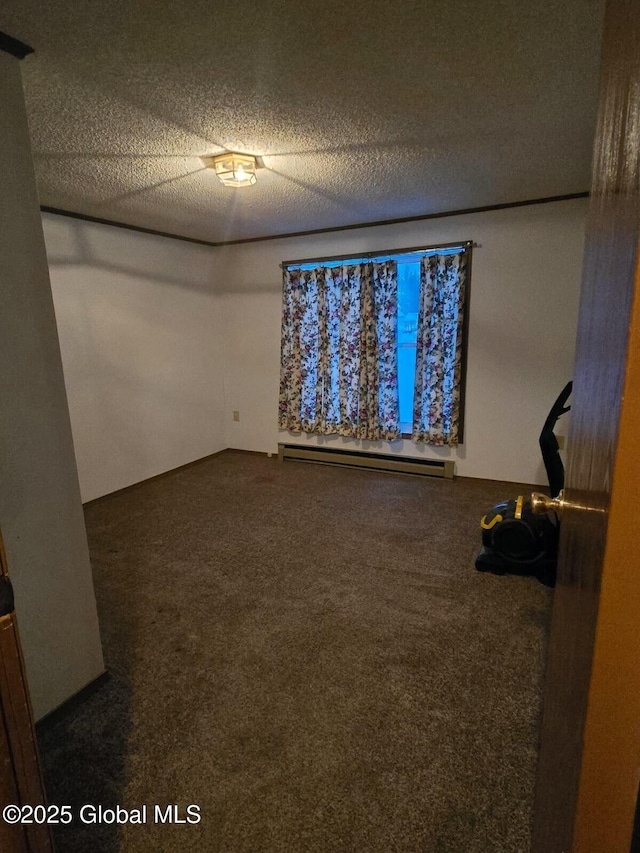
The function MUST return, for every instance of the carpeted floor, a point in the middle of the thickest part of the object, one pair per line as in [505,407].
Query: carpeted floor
[307,654]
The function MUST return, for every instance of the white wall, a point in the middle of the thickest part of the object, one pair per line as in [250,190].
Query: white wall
[161,340]
[40,509]
[524,296]
[141,337]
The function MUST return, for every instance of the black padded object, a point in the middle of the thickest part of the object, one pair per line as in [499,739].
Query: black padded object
[549,443]
[514,539]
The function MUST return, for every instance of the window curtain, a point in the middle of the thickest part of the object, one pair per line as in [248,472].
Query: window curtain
[436,401]
[339,362]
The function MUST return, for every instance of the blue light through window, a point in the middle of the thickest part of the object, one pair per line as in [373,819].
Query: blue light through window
[408,301]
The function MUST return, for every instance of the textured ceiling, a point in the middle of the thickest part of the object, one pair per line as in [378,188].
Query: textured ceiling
[362,110]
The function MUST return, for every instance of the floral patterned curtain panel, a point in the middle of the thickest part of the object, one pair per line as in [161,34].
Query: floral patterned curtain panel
[436,401]
[339,370]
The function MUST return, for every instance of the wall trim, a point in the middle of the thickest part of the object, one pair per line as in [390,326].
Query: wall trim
[115,224]
[161,476]
[13,46]
[274,453]
[419,218]
[334,229]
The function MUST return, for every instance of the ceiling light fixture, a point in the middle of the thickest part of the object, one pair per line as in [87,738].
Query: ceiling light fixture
[233,170]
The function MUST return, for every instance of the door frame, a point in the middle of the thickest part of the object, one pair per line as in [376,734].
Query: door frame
[587,783]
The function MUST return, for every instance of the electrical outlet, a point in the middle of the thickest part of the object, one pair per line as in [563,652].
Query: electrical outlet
[561,442]
[236,416]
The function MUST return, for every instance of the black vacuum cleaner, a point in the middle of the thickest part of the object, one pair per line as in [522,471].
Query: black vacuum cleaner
[516,541]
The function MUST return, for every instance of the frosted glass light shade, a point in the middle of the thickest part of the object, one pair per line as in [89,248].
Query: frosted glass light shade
[234,170]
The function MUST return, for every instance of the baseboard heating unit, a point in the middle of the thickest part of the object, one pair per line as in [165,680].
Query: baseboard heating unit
[371,461]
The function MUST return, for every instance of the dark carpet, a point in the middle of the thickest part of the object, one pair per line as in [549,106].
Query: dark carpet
[308,655]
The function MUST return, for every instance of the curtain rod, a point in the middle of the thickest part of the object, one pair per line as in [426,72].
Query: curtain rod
[463,244]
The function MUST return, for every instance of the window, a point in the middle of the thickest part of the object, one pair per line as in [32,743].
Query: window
[373,348]
[408,305]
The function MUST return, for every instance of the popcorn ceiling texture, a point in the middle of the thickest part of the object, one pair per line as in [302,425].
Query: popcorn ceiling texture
[363,111]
